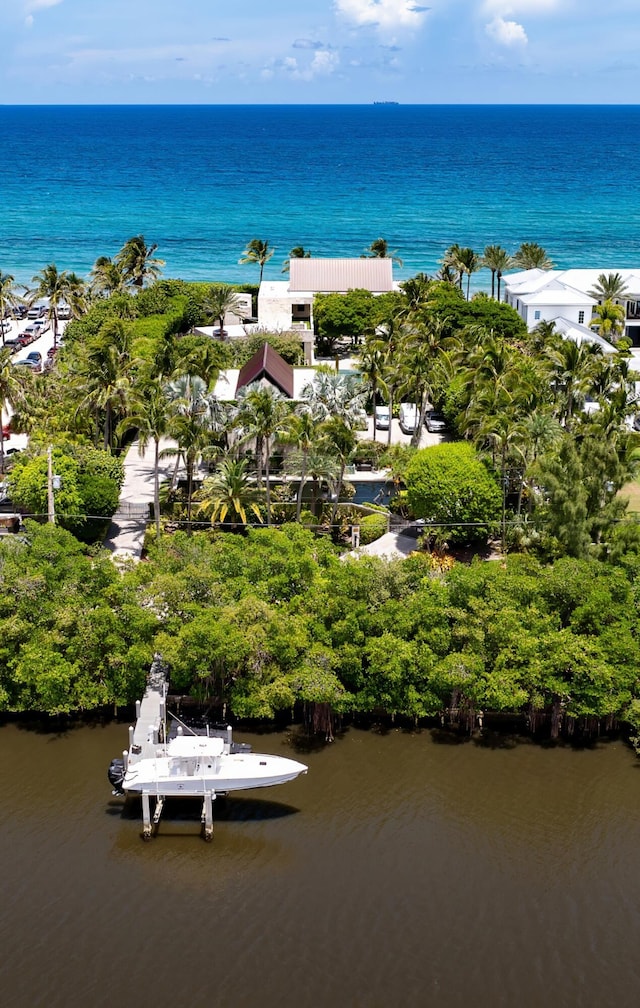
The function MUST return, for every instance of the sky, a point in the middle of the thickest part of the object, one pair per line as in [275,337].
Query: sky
[319,51]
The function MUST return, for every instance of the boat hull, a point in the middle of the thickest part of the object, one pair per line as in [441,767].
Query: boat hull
[241,772]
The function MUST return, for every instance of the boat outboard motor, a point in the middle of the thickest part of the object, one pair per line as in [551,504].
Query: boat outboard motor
[116,773]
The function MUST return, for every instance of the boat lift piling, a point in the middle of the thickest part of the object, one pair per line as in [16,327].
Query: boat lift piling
[207,815]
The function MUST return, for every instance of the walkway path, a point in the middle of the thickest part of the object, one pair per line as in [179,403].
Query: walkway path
[125,537]
[391,546]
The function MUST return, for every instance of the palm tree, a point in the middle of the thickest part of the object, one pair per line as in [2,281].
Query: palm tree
[321,467]
[609,287]
[136,263]
[190,425]
[299,252]
[9,297]
[469,262]
[417,291]
[418,365]
[608,320]
[220,299]
[150,415]
[11,392]
[340,441]
[496,259]
[229,491]
[451,268]
[531,256]
[333,394]
[106,378]
[301,431]
[504,431]
[262,414]
[572,372]
[257,251]
[106,278]
[379,249]
[57,287]
[371,365]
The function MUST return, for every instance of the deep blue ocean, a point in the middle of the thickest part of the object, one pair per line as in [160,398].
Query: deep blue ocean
[201,181]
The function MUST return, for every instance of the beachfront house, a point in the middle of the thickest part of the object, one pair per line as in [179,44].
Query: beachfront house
[562,297]
[285,305]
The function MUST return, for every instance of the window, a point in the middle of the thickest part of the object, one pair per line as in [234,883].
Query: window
[580,318]
[536,314]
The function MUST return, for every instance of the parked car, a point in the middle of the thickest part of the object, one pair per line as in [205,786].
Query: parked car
[64,312]
[408,417]
[435,422]
[29,334]
[34,357]
[5,326]
[382,417]
[32,365]
[13,342]
[35,311]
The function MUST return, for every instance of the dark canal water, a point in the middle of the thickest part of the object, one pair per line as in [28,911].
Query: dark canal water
[401,871]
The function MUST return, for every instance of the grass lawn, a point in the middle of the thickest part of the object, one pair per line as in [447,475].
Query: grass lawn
[632,492]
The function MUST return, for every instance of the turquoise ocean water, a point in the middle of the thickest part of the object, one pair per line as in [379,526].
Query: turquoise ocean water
[201,181]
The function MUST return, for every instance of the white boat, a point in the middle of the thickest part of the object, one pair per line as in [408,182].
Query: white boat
[184,762]
[194,765]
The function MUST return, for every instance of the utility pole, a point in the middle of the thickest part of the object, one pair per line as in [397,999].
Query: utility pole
[51,504]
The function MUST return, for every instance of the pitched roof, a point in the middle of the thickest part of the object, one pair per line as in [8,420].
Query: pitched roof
[582,334]
[340,275]
[266,364]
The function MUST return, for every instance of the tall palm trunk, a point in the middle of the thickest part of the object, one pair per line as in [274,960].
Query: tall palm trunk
[422,412]
[391,401]
[303,474]
[189,463]
[334,509]
[107,427]
[267,453]
[156,484]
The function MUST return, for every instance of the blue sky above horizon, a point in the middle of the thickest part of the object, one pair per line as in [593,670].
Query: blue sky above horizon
[320,51]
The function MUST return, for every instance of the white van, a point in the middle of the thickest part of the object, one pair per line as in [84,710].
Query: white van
[408,417]
[382,417]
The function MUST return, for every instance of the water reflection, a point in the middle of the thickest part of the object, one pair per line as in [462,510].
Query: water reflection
[402,870]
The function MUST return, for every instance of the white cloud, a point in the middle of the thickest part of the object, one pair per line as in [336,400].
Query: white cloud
[382,13]
[506,33]
[323,64]
[503,8]
[34,5]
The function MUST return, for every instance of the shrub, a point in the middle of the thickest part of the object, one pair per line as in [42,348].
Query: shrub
[369,451]
[449,485]
[372,527]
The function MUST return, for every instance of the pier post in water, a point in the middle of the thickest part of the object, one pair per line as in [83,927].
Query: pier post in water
[146,816]
[207,816]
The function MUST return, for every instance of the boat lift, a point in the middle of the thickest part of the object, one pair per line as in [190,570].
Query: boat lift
[150,731]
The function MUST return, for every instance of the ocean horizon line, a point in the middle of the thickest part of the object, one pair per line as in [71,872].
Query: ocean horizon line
[387,103]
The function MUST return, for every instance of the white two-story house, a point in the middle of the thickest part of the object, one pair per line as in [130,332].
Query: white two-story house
[562,297]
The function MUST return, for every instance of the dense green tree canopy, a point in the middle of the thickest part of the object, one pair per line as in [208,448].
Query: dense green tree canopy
[449,486]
